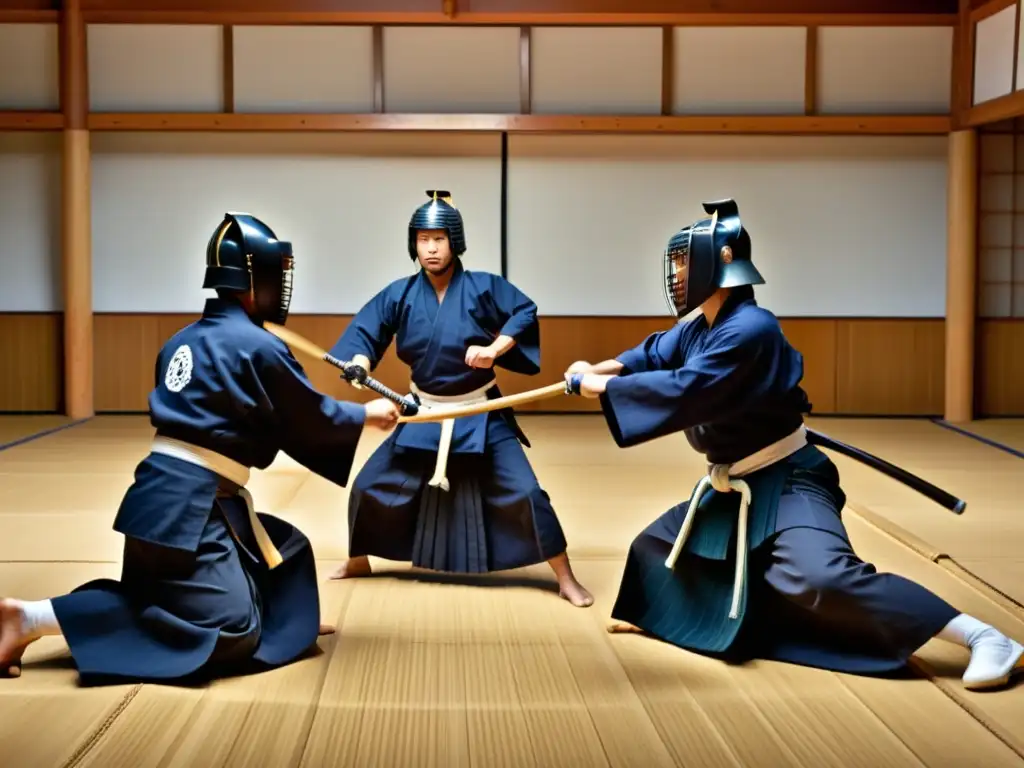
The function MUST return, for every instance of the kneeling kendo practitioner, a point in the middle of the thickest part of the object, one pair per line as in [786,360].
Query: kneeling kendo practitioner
[209,586]
[459,496]
[730,381]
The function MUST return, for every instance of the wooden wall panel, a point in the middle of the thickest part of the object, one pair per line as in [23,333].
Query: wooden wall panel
[816,339]
[1000,390]
[890,367]
[866,367]
[31,374]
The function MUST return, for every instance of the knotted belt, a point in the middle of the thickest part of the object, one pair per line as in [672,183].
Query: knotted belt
[440,478]
[725,478]
[230,470]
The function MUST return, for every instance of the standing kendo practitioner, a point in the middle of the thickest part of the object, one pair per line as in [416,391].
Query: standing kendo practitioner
[730,381]
[458,496]
[208,586]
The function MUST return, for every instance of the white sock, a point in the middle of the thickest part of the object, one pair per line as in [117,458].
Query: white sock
[38,618]
[968,631]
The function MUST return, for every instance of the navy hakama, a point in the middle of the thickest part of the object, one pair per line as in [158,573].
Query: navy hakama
[208,586]
[467,501]
[806,597]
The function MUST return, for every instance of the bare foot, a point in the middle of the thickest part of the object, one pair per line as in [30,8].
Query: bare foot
[571,590]
[13,639]
[326,629]
[568,588]
[353,568]
[622,627]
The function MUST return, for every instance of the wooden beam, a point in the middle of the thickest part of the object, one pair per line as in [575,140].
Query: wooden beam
[552,7]
[996,110]
[18,16]
[668,58]
[76,229]
[961,275]
[1016,45]
[536,19]
[962,85]
[691,124]
[525,70]
[811,72]
[228,67]
[29,11]
[989,9]
[31,121]
[378,68]
[528,12]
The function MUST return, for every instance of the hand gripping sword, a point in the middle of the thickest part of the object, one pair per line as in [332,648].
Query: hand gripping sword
[353,374]
[929,490]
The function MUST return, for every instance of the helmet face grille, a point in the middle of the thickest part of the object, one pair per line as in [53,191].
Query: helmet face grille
[287,277]
[676,267]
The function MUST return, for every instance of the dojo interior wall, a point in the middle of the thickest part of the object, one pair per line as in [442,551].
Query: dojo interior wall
[849,230]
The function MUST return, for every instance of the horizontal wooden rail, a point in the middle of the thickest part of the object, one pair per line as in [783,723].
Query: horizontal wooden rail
[996,110]
[540,19]
[31,121]
[991,8]
[692,124]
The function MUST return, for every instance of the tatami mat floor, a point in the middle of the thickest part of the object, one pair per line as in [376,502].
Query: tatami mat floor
[432,671]
[1008,432]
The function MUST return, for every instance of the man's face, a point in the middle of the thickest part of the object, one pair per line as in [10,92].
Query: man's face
[433,250]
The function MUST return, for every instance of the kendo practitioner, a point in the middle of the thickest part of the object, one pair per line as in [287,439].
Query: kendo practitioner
[208,586]
[730,381]
[457,496]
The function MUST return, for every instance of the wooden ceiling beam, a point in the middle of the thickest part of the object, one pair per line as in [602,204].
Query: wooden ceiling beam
[545,7]
[653,124]
[437,18]
[31,121]
[499,12]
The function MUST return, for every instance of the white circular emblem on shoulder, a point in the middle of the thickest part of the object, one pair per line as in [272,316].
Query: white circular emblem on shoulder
[179,370]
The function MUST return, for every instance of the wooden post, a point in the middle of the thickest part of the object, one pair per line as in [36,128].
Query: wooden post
[961,274]
[76,216]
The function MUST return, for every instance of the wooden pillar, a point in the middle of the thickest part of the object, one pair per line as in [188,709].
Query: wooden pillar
[76,229]
[961,274]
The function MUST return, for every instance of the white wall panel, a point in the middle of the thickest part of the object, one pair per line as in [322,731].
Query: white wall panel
[156,68]
[344,200]
[451,69]
[896,70]
[842,226]
[303,69]
[758,70]
[993,55]
[29,67]
[596,70]
[30,220]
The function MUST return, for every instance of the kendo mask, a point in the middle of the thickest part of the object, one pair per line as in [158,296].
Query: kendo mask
[245,255]
[709,254]
[438,213]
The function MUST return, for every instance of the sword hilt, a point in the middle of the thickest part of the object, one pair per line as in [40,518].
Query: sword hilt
[357,374]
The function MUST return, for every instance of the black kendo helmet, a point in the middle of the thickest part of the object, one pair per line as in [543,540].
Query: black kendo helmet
[711,253]
[438,213]
[244,254]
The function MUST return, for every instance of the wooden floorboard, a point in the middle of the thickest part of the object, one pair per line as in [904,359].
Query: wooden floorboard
[429,672]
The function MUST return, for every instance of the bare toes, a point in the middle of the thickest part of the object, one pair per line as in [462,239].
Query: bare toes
[577,596]
[621,627]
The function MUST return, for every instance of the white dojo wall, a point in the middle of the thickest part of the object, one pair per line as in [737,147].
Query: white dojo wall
[841,226]
[344,201]
[994,55]
[838,222]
